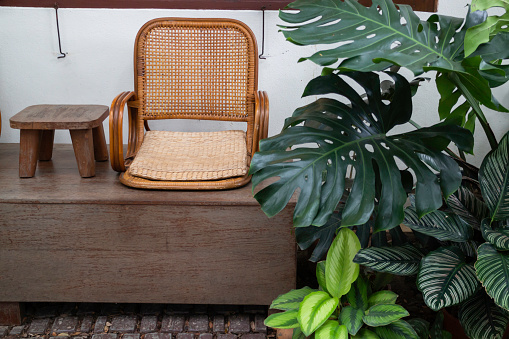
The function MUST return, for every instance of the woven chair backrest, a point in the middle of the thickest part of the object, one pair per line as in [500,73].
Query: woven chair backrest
[196,69]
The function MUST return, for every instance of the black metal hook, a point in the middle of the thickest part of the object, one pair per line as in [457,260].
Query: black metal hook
[261,56]
[62,54]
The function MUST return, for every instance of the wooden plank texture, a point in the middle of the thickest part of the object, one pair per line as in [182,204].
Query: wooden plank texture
[418,5]
[10,313]
[67,239]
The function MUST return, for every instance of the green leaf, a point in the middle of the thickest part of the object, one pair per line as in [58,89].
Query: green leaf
[307,236]
[383,314]
[420,326]
[445,278]
[352,318]
[480,317]
[287,319]
[340,270]
[365,334]
[358,294]
[399,329]
[468,207]
[320,275]
[297,334]
[494,180]
[314,310]
[400,260]
[382,297]
[355,136]
[492,268]
[331,330]
[436,330]
[497,237]
[441,225]
[291,300]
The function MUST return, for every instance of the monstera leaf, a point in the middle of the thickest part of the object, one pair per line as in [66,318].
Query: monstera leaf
[315,160]
[494,180]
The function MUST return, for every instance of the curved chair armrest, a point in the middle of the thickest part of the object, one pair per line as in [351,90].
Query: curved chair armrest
[116,138]
[261,127]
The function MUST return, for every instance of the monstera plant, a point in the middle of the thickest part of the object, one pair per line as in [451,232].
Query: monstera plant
[452,270]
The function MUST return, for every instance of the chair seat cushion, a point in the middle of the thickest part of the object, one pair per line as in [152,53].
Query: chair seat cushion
[191,156]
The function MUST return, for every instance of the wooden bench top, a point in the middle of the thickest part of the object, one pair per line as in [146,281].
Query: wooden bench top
[60,117]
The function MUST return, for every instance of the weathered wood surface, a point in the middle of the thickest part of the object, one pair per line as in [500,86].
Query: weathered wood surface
[63,238]
[60,117]
[10,313]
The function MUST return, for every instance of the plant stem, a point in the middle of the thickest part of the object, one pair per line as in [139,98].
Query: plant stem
[477,109]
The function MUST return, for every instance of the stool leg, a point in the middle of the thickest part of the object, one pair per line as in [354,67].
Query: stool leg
[100,149]
[28,152]
[10,313]
[46,148]
[82,142]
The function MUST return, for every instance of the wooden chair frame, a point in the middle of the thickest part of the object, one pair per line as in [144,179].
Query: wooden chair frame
[257,116]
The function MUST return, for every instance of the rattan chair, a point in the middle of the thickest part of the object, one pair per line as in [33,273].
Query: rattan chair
[190,69]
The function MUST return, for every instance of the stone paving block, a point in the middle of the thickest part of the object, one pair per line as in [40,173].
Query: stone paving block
[259,326]
[158,336]
[226,336]
[173,323]
[16,330]
[77,337]
[38,326]
[148,324]
[198,323]
[64,325]
[152,309]
[206,336]
[218,323]
[105,336]
[124,323]
[254,336]
[131,336]
[185,336]
[3,331]
[240,323]
[100,323]
[86,324]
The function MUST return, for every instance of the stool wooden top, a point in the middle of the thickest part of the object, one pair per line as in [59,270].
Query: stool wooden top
[44,117]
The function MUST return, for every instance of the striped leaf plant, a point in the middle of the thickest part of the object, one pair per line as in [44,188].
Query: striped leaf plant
[344,306]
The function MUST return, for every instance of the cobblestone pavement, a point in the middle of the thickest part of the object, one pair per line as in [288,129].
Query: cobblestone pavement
[139,321]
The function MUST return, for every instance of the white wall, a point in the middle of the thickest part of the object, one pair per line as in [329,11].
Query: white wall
[99,62]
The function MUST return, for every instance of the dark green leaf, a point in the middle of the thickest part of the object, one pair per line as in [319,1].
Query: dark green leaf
[365,334]
[494,180]
[420,326]
[399,329]
[383,314]
[382,297]
[466,205]
[400,260]
[352,318]
[320,275]
[436,330]
[358,294]
[445,278]
[497,237]
[307,236]
[492,268]
[482,318]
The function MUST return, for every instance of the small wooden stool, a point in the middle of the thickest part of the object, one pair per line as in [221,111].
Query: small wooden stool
[37,126]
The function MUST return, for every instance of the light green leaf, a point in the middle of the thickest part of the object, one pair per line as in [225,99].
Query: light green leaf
[382,297]
[480,317]
[340,270]
[399,329]
[445,278]
[420,326]
[314,310]
[358,294]
[365,334]
[384,314]
[494,180]
[287,319]
[400,260]
[497,237]
[492,268]
[352,318]
[291,300]
[320,275]
[331,330]
[438,224]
